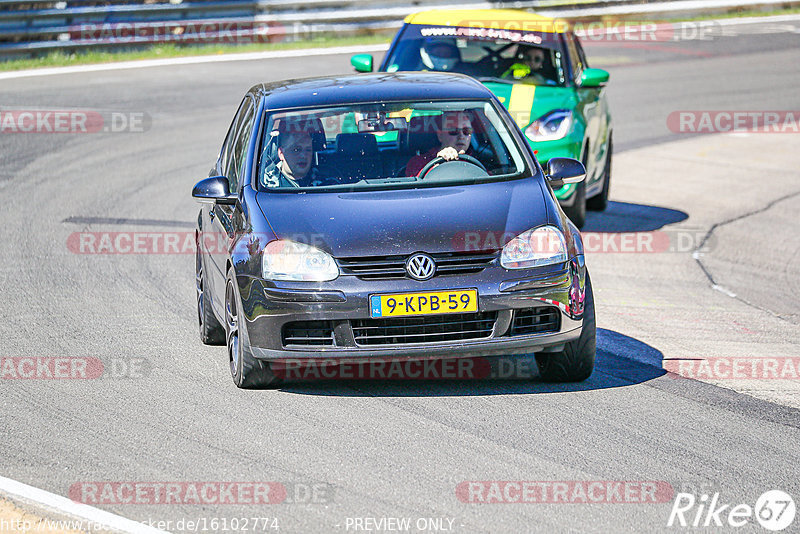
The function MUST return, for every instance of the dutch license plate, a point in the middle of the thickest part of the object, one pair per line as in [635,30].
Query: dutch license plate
[429,303]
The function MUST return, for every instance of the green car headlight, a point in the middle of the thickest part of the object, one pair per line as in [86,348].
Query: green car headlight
[551,127]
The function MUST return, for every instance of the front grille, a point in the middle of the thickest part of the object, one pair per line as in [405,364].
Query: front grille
[535,321]
[400,330]
[308,334]
[394,267]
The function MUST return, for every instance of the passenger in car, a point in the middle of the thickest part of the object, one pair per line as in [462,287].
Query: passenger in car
[454,132]
[296,162]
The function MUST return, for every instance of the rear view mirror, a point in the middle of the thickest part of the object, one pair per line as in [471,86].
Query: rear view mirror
[382,125]
[213,190]
[561,171]
[362,62]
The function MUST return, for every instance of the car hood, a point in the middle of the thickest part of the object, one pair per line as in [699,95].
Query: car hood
[375,223]
[529,102]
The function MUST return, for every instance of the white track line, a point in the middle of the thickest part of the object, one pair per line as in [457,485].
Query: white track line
[219,58]
[303,52]
[54,502]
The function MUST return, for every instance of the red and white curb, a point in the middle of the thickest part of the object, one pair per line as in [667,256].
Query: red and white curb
[62,505]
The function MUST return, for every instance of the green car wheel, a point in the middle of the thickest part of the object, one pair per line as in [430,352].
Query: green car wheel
[600,202]
[577,212]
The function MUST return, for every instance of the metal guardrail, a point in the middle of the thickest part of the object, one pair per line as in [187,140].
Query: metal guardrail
[83,24]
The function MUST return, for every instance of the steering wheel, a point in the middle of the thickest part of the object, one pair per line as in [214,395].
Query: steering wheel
[439,160]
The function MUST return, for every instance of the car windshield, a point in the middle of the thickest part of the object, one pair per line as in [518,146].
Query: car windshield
[387,145]
[490,55]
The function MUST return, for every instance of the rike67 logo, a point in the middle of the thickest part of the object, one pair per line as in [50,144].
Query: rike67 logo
[774,510]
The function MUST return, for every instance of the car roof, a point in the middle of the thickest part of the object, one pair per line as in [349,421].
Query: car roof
[369,88]
[504,19]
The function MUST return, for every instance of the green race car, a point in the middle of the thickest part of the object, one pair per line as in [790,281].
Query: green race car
[537,69]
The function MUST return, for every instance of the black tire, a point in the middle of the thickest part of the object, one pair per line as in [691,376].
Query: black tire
[600,202]
[211,331]
[577,212]
[247,371]
[576,362]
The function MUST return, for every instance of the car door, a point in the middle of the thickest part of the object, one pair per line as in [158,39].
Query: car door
[591,109]
[218,229]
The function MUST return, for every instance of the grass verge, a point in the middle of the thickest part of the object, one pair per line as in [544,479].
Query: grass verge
[160,51]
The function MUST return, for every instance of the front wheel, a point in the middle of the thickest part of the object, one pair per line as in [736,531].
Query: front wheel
[211,332]
[577,212]
[247,372]
[576,362]
[600,202]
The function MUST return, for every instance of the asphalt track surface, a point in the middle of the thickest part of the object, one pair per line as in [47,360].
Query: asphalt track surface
[400,449]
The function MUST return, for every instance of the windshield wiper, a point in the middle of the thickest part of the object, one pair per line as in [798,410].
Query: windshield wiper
[390,180]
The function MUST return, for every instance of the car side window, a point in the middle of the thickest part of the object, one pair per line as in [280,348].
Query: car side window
[581,53]
[576,60]
[227,146]
[242,144]
[238,147]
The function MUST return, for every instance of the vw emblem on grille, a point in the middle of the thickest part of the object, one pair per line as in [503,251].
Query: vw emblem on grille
[420,267]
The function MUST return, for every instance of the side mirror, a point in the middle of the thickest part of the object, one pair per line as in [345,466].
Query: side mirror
[362,62]
[213,190]
[561,171]
[594,77]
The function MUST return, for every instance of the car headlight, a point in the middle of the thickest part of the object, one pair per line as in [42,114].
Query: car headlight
[555,125]
[287,260]
[536,247]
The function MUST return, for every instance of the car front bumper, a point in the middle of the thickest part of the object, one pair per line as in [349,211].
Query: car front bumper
[268,306]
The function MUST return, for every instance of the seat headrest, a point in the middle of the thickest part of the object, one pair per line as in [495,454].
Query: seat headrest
[422,132]
[357,144]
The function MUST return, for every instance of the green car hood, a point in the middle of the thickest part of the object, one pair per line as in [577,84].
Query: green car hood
[526,102]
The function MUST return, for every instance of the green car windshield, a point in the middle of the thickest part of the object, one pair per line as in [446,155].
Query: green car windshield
[387,145]
[489,55]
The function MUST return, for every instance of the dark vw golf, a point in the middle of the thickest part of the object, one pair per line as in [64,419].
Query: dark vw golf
[387,216]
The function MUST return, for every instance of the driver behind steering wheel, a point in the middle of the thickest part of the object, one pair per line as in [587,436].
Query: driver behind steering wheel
[529,62]
[454,132]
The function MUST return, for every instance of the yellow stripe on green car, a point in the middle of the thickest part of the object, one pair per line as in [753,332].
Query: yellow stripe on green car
[520,104]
